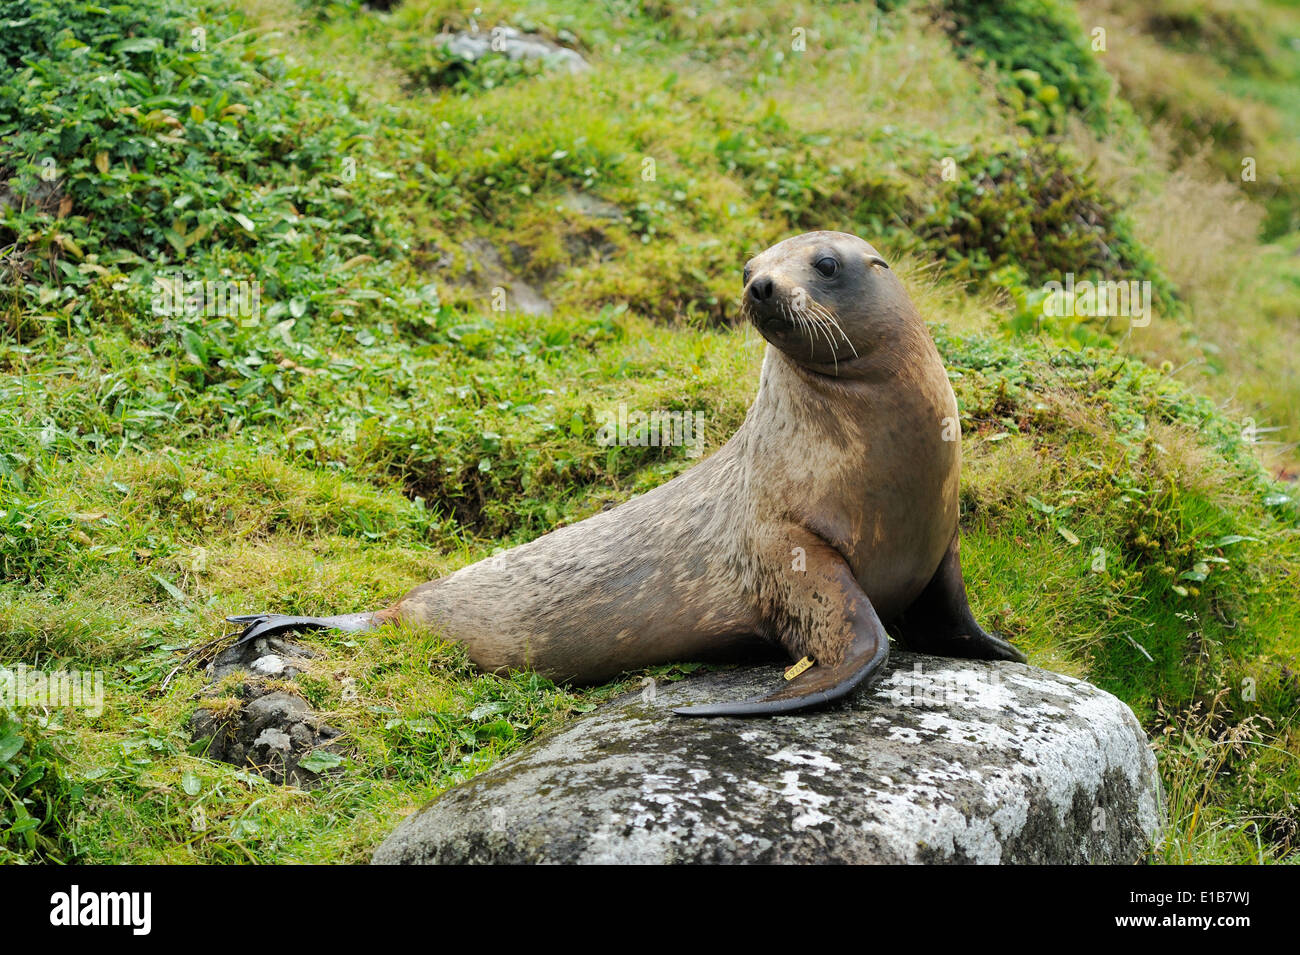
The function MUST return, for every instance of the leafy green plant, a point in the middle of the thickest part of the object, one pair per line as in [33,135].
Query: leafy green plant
[1034,207]
[1040,47]
[31,794]
[127,140]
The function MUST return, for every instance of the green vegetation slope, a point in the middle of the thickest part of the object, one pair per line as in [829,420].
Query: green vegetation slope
[380,424]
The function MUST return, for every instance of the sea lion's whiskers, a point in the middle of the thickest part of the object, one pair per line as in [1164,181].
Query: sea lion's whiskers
[824,329]
[810,314]
[819,316]
[797,320]
[746,316]
[803,318]
[822,318]
[830,317]
[835,358]
[810,317]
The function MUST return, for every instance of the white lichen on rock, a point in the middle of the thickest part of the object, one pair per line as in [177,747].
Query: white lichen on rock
[943,761]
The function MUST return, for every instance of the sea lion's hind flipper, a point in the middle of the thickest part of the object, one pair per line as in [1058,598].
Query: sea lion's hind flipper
[815,687]
[274,624]
[940,620]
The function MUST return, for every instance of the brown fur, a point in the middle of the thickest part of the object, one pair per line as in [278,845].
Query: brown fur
[841,455]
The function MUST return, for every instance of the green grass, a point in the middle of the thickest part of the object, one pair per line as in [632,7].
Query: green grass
[382,425]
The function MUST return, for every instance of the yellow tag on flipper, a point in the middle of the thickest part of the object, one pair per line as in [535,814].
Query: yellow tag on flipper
[794,671]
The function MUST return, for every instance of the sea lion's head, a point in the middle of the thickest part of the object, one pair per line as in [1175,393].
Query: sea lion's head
[828,300]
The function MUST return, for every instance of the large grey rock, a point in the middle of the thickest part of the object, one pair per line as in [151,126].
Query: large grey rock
[942,761]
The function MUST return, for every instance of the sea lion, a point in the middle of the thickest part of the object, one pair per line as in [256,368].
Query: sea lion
[829,515]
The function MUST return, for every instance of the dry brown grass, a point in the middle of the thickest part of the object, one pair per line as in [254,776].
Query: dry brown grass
[941,302]
[1201,225]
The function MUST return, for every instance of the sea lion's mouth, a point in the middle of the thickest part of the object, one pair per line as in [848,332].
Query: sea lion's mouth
[776,317]
[802,327]
[767,321]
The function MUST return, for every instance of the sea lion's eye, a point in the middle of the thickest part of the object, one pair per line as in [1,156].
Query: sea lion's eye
[745,277]
[827,266]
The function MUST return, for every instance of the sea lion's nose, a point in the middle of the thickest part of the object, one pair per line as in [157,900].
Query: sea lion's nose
[760,289]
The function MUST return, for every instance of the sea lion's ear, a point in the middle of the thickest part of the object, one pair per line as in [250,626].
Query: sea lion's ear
[877,260]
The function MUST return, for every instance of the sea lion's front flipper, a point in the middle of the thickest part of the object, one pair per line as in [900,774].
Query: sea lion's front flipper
[273,624]
[816,686]
[940,620]
[840,625]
